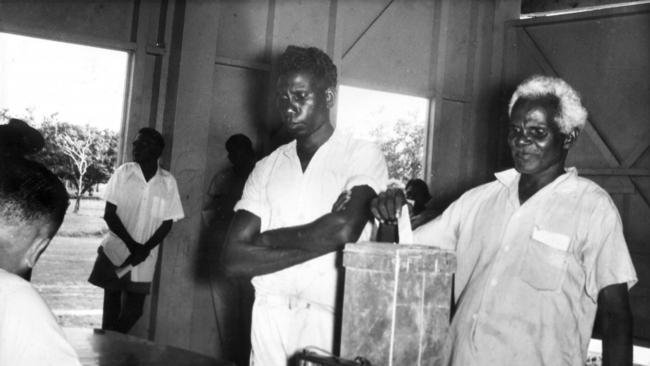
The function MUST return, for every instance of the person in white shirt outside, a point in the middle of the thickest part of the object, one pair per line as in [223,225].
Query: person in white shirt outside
[539,250]
[142,201]
[284,232]
[33,202]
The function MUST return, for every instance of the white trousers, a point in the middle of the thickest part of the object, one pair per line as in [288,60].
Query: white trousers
[282,326]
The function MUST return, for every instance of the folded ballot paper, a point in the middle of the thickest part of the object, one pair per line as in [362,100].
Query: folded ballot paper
[404,230]
[117,252]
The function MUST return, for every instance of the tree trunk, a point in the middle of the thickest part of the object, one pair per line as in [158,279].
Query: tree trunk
[77,202]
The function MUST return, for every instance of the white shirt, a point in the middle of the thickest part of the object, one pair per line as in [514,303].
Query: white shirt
[29,333]
[142,207]
[281,195]
[529,275]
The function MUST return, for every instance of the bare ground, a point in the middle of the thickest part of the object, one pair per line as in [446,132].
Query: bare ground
[62,271]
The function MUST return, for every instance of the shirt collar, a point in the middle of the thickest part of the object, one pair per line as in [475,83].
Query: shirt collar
[564,183]
[290,148]
[137,172]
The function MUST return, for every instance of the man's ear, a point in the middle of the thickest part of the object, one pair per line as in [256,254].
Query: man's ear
[35,250]
[570,139]
[330,96]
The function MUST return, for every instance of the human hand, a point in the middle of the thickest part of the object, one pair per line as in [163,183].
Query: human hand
[387,206]
[341,201]
[138,257]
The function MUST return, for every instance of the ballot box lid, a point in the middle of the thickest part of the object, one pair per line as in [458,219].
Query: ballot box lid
[386,257]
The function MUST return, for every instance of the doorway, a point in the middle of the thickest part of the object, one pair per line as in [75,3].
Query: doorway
[75,96]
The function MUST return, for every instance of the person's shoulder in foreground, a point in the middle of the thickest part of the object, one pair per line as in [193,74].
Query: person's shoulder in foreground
[29,333]
[33,202]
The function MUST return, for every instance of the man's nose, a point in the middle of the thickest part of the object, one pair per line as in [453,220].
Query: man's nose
[522,138]
[287,104]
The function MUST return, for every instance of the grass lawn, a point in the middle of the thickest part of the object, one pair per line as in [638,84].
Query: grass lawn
[61,273]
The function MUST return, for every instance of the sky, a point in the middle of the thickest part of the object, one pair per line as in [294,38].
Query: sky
[361,110]
[84,85]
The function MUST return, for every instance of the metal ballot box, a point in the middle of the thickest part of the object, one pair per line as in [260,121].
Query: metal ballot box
[396,303]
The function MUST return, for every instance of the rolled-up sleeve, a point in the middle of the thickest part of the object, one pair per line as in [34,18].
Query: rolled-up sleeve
[111,191]
[174,207]
[253,197]
[606,259]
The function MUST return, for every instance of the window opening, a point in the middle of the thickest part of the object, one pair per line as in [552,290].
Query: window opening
[77,92]
[396,122]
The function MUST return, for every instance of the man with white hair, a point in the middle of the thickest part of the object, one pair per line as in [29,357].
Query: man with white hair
[539,250]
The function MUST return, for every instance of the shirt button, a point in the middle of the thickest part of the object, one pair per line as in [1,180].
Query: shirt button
[506,249]
[474,316]
[493,282]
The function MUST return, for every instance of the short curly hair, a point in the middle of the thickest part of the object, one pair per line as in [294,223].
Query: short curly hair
[310,59]
[28,190]
[571,113]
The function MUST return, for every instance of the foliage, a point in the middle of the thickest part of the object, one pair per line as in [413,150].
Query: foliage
[84,156]
[403,148]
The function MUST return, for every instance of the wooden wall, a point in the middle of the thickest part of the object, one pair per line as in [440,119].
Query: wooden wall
[201,71]
[447,51]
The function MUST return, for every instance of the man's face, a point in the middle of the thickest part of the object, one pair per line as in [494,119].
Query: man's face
[535,141]
[145,149]
[302,103]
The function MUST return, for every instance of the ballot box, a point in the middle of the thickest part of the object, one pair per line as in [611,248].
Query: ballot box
[396,303]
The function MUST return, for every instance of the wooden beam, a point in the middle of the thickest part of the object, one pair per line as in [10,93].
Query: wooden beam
[606,152]
[60,36]
[548,68]
[615,171]
[244,64]
[642,7]
[543,62]
[638,150]
[345,53]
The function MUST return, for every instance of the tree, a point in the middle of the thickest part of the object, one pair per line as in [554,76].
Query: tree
[81,155]
[403,148]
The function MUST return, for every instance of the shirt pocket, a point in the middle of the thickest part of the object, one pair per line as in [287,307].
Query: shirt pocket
[545,261]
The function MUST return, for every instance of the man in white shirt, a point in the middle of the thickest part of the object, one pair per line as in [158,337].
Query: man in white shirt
[142,201]
[283,232]
[539,250]
[33,202]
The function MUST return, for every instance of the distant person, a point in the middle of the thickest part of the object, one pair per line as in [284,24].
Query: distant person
[33,202]
[417,192]
[142,201]
[234,295]
[227,185]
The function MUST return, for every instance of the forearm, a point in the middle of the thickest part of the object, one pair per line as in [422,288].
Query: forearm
[323,235]
[246,260]
[159,235]
[327,233]
[116,226]
[617,340]
[616,324]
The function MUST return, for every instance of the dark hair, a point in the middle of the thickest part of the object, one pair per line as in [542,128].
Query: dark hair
[154,135]
[310,59]
[239,141]
[17,138]
[420,186]
[28,190]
